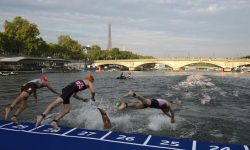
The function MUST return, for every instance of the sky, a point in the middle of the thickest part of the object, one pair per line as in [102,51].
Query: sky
[159,28]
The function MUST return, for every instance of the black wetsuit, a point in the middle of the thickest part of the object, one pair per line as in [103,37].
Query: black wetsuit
[72,88]
[159,104]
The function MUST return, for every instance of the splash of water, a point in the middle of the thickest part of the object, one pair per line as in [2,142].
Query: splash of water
[160,122]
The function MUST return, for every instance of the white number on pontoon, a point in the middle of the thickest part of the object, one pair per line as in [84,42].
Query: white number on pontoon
[125,138]
[213,147]
[169,143]
[85,133]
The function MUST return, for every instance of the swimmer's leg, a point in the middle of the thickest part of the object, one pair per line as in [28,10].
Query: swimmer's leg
[105,119]
[62,113]
[20,109]
[144,100]
[51,106]
[136,105]
[23,95]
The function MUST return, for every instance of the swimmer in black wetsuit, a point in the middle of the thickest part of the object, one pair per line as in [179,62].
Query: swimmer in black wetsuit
[162,104]
[26,90]
[68,91]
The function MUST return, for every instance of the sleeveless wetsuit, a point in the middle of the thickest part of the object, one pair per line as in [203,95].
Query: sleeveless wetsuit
[32,85]
[159,103]
[72,88]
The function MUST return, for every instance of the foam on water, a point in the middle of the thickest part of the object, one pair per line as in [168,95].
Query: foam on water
[160,122]
[216,133]
[205,99]
[122,122]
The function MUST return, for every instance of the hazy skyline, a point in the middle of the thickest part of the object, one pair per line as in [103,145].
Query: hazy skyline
[160,28]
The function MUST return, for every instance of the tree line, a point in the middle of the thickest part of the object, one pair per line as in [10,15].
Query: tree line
[22,38]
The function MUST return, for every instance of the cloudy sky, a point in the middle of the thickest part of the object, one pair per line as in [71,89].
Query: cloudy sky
[160,28]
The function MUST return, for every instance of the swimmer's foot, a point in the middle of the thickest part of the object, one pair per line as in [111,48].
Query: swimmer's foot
[122,106]
[39,119]
[54,124]
[130,93]
[7,111]
[14,119]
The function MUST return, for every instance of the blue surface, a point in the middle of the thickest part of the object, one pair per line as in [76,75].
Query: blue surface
[26,136]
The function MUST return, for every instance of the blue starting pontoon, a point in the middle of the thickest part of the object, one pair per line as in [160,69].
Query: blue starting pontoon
[25,136]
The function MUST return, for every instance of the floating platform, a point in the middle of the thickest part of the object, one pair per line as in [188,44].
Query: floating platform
[26,137]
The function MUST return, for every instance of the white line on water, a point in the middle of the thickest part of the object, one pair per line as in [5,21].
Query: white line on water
[194,145]
[246,147]
[36,128]
[106,135]
[148,138]
[69,131]
[6,124]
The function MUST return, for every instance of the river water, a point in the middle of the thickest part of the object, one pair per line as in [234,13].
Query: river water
[212,107]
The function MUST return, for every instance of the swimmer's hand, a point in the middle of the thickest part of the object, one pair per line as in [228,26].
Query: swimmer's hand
[93,99]
[172,120]
[85,100]
[36,101]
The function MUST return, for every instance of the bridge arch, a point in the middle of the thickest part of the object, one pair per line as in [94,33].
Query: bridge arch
[177,63]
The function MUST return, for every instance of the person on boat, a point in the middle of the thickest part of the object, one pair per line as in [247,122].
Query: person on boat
[129,75]
[143,102]
[26,90]
[70,90]
[121,76]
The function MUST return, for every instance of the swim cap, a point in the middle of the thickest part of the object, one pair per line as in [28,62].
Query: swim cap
[43,78]
[89,77]
[118,104]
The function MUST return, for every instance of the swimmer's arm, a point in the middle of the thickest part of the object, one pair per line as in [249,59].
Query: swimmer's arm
[79,98]
[51,89]
[35,95]
[92,90]
[170,114]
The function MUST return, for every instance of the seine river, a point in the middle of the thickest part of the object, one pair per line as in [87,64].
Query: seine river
[212,107]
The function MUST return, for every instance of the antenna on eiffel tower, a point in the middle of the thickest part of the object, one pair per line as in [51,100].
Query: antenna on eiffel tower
[109,38]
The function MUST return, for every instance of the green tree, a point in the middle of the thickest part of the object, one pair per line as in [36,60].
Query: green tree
[72,49]
[2,43]
[24,37]
[55,50]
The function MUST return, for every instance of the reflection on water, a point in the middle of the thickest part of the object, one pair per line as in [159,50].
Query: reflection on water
[212,107]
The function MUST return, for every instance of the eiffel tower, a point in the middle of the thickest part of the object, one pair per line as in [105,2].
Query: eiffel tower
[109,39]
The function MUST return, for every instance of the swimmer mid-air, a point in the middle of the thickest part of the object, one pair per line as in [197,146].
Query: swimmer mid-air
[68,91]
[26,90]
[162,104]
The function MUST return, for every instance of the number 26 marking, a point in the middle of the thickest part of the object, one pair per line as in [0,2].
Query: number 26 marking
[125,138]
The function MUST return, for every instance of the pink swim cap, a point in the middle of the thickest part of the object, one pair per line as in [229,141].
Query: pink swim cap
[43,78]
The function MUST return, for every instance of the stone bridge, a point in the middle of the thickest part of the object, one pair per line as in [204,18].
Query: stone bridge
[176,63]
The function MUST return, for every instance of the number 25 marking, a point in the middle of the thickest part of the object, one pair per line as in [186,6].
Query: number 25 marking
[170,143]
